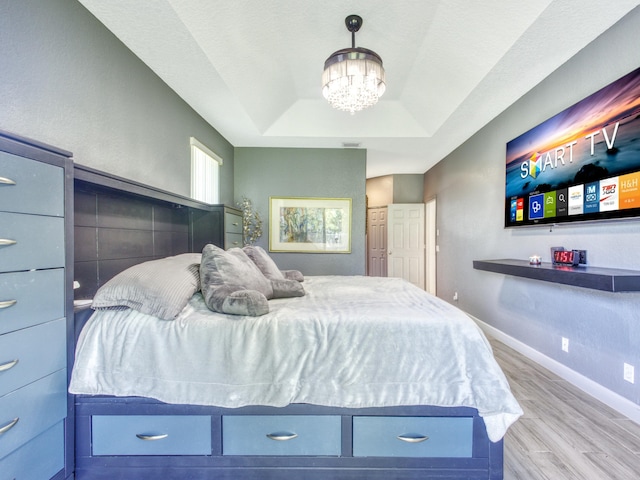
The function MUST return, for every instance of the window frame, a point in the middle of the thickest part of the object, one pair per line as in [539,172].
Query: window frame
[205,179]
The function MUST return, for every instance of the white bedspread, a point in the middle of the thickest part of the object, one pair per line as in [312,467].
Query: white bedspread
[349,342]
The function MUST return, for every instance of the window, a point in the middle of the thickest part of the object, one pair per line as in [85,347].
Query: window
[205,166]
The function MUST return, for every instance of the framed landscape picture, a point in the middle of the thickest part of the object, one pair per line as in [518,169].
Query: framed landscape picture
[312,225]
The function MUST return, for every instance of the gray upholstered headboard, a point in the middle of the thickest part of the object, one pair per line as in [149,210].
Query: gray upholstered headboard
[119,223]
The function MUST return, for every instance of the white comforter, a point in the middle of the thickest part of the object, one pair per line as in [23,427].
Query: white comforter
[349,342]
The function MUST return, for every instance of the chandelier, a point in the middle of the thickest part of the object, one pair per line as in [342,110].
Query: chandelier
[353,78]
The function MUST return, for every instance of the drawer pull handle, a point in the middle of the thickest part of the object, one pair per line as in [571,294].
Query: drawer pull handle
[9,365]
[282,436]
[8,303]
[7,241]
[6,181]
[151,438]
[9,426]
[412,437]
[235,224]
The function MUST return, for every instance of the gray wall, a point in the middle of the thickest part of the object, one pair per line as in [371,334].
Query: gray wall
[261,173]
[397,188]
[603,328]
[67,81]
[408,188]
[380,191]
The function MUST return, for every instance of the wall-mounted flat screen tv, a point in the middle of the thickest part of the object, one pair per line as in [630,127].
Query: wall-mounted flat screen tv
[582,164]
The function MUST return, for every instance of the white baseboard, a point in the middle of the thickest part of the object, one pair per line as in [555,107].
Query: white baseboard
[617,402]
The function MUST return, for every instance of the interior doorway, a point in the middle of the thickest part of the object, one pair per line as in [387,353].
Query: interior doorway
[431,242]
[405,242]
[377,242]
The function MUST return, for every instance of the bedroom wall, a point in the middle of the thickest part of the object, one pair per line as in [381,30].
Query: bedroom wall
[261,173]
[397,188]
[408,188]
[67,81]
[380,191]
[603,328]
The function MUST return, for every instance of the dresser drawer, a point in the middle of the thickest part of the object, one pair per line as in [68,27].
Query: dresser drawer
[151,434]
[412,436]
[42,457]
[30,241]
[232,223]
[30,298]
[281,435]
[32,353]
[232,240]
[28,186]
[37,407]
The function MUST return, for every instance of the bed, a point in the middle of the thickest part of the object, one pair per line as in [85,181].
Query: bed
[316,383]
[355,378]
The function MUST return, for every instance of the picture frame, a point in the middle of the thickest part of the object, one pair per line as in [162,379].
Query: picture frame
[310,225]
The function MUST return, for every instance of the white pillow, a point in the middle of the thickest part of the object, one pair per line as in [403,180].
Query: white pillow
[161,288]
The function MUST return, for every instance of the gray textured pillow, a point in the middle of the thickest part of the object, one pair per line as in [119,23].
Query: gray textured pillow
[231,282]
[160,288]
[283,286]
[269,268]
[293,275]
[287,288]
[244,302]
[264,262]
[240,266]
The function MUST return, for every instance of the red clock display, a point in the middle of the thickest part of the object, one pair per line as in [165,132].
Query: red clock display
[565,257]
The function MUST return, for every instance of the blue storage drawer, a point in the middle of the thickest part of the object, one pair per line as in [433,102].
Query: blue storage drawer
[30,410]
[28,242]
[233,240]
[281,435]
[232,223]
[412,436]
[30,298]
[29,186]
[41,458]
[31,353]
[151,434]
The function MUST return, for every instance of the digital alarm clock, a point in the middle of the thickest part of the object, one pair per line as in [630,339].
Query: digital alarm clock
[560,256]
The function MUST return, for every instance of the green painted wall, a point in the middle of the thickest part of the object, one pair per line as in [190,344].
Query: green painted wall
[261,173]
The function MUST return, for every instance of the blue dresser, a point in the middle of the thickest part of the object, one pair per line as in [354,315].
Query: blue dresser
[35,286]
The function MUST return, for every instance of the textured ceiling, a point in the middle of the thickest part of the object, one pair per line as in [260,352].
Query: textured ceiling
[252,68]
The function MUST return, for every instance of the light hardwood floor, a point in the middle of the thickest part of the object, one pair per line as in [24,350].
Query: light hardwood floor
[564,433]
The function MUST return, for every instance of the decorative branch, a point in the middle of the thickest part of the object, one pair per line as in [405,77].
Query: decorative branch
[251,222]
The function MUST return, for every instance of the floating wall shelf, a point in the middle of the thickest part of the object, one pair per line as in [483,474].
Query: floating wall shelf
[606,279]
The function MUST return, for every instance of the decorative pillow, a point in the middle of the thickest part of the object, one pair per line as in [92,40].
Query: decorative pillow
[293,275]
[268,267]
[264,262]
[161,288]
[233,300]
[287,288]
[244,269]
[231,282]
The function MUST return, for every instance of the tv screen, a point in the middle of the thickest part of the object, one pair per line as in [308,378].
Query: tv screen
[582,164]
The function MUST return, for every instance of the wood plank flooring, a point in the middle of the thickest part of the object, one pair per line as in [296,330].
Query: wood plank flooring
[564,433]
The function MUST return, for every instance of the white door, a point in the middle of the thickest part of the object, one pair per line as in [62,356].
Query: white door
[430,246]
[377,242]
[405,242]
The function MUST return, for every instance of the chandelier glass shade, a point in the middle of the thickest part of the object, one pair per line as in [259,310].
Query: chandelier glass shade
[353,78]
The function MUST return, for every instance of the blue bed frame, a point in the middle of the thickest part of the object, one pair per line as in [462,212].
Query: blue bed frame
[486,462]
